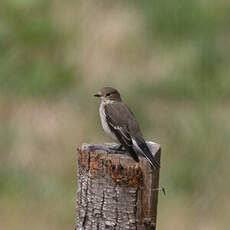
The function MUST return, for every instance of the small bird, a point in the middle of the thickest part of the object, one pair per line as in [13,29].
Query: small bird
[120,124]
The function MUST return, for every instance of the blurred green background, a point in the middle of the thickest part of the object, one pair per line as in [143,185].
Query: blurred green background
[170,61]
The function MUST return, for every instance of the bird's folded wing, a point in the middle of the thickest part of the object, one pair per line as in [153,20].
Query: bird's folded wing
[119,125]
[122,133]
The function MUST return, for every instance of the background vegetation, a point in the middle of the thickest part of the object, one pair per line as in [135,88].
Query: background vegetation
[169,59]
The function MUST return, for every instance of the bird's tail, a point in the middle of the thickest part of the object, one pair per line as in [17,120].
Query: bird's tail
[145,151]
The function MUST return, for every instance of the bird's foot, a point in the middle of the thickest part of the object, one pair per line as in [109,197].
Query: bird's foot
[118,148]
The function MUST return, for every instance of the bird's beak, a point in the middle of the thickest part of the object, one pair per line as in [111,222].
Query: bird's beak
[97,95]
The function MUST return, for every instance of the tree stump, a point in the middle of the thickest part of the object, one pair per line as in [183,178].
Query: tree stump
[115,192]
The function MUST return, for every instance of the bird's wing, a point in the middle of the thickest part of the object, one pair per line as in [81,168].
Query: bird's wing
[123,123]
[117,116]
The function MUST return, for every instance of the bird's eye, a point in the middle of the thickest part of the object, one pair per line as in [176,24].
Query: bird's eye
[108,94]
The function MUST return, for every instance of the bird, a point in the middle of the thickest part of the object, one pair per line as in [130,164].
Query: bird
[120,124]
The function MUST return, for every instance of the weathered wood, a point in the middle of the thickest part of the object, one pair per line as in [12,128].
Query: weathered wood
[115,192]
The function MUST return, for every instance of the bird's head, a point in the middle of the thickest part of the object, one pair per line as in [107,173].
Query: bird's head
[108,94]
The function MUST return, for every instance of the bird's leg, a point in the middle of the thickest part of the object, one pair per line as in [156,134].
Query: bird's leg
[118,148]
[121,148]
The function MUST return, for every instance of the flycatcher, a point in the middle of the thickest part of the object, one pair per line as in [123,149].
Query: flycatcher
[120,124]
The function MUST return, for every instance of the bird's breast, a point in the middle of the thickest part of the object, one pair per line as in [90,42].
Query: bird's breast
[104,122]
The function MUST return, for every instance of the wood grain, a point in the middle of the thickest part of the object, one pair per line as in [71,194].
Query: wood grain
[115,192]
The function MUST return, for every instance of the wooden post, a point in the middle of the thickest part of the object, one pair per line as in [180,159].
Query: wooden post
[115,192]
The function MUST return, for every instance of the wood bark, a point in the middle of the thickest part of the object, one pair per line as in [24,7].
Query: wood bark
[115,192]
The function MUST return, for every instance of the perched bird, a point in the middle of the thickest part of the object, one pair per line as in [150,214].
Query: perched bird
[120,124]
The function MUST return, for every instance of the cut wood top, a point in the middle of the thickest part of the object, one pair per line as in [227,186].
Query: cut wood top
[154,147]
[122,168]
[111,173]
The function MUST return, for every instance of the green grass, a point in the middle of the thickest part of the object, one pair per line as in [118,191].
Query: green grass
[32,62]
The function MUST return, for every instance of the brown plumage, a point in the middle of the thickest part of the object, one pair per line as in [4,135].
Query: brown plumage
[119,123]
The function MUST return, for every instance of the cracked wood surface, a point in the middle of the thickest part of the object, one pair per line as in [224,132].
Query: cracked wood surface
[115,192]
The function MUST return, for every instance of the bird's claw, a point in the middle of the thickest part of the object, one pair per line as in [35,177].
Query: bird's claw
[119,148]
